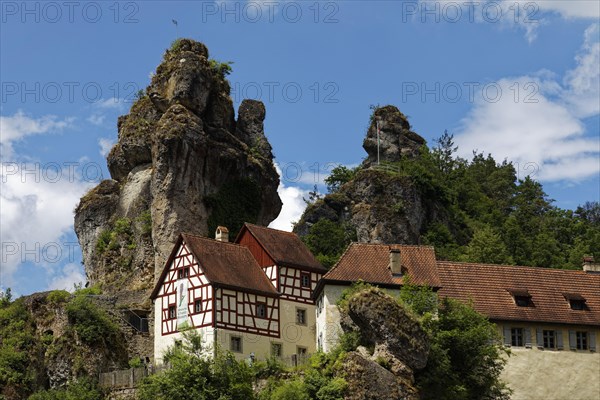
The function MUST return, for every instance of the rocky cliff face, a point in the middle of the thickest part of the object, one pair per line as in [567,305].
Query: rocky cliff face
[382,203]
[182,164]
[400,346]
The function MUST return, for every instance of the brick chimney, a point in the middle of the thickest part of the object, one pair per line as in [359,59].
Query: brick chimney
[589,265]
[222,234]
[395,262]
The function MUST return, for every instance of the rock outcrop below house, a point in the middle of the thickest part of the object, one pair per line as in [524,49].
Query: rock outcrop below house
[182,163]
[400,346]
[382,203]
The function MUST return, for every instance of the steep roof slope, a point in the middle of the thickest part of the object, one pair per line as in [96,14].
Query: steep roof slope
[225,264]
[491,289]
[370,262]
[285,248]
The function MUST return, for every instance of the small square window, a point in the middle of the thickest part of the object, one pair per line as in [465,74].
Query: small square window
[582,340]
[516,337]
[523,301]
[577,304]
[236,344]
[549,339]
[198,306]
[300,316]
[183,273]
[172,312]
[301,351]
[261,310]
[276,350]
[305,280]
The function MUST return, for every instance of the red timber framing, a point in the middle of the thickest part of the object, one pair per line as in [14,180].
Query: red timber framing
[198,289]
[290,284]
[287,280]
[236,310]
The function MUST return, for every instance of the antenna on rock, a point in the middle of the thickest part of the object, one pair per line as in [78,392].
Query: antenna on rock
[377,122]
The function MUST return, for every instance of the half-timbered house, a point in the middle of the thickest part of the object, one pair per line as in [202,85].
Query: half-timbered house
[295,273]
[219,289]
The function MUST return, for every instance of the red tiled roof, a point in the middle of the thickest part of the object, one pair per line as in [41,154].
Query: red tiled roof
[489,288]
[285,248]
[370,263]
[224,264]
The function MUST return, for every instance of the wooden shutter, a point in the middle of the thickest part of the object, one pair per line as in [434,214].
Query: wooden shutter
[592,344]
[527,332]
[572,340]
[540,338]
[559,341]
[507,336]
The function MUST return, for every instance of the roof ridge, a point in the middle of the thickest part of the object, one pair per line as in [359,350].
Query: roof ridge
[269,228]
[426,246]
[529,267]
[208,239]
[522,267]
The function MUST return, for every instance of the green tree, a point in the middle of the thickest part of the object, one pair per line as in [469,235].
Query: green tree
[443,152]
[84,388]
[327,240]
[18,350]
[487,247]
[339,175]
[419,298]
[466,356]
[193,376]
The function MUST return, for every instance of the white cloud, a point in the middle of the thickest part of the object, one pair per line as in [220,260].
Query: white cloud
[525,15]
[70,275]
[19,126]
[541,124]
[293,205]
[112,103]
[37,200]
[567,8]
[105,145]
[96,119]
[583,82]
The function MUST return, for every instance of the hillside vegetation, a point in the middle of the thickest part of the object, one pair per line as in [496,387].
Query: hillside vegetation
[476,210]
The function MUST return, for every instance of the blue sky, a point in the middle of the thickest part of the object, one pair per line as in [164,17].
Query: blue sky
[517,79]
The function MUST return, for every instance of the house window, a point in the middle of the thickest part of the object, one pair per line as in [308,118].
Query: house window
[172,312]
[261,310]
[236,344]
[183,273]
[523,301]
[549,338]
[301,351]
[198,306]
[577,304]
[276,350]
[305,280]
[300,316]
[581,340]
[516,337]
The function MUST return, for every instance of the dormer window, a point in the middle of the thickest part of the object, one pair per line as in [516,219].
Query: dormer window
[576,301]
[522,297]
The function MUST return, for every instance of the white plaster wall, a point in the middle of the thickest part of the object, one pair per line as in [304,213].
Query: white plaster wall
[552,374]
[260,345]
[162,343]
[294,335]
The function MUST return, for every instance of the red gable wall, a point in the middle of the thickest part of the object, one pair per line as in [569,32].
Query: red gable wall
[261,256]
